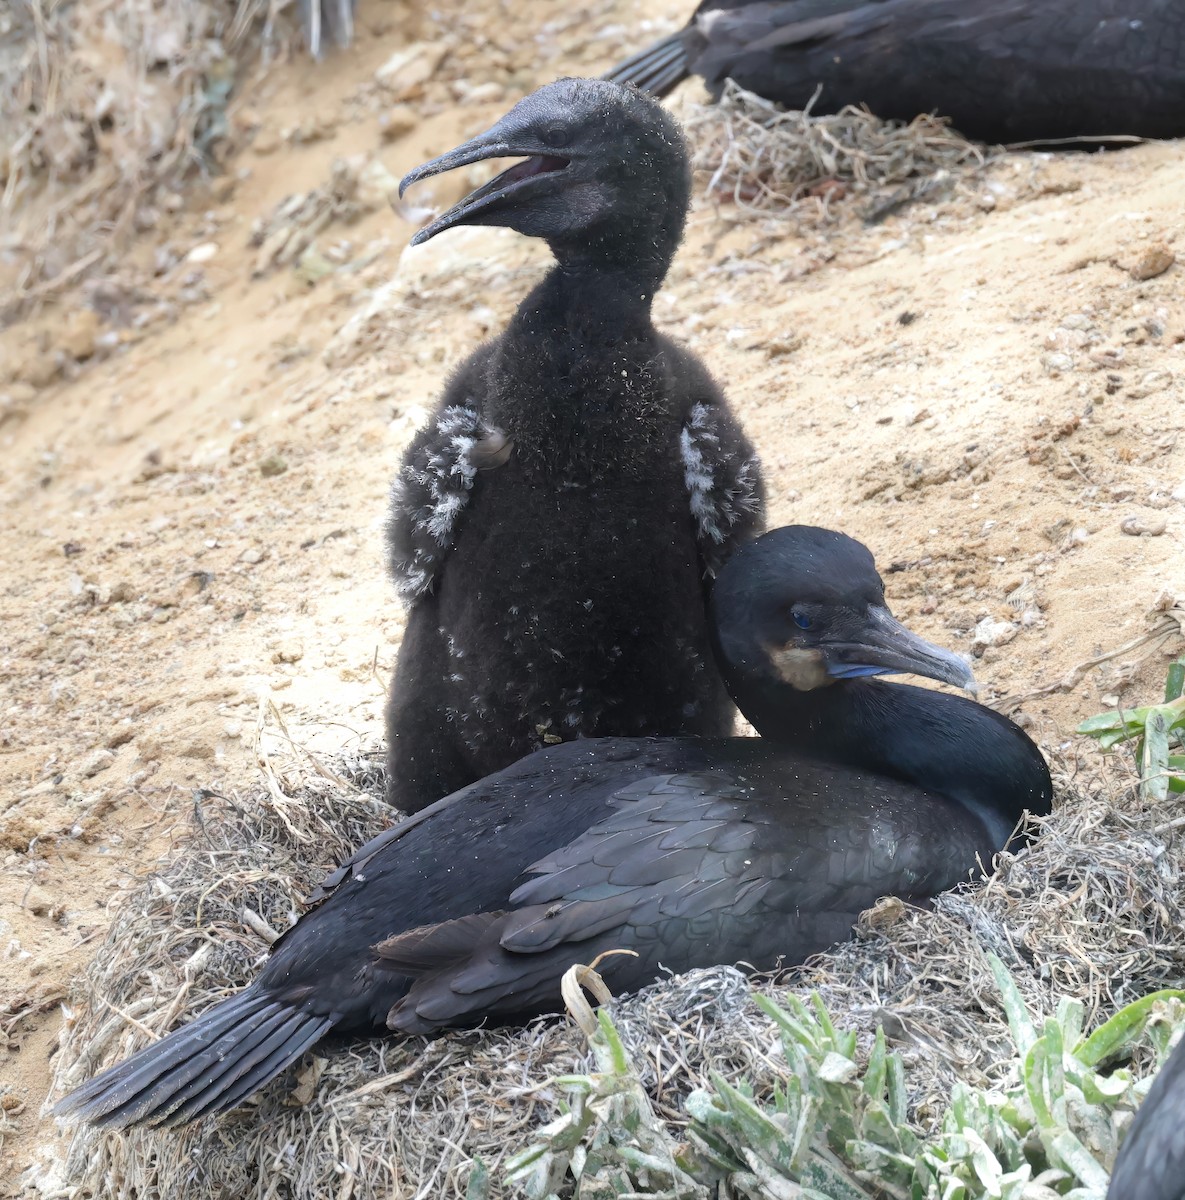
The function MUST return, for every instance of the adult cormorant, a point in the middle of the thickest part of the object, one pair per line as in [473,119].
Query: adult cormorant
[1151,1161]
[688,852]
[1001,70]
[553,526]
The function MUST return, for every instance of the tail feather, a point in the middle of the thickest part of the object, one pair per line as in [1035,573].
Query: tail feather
[201,1067]
[657,69]
[115,1087]
[301,1038]
[213,1070]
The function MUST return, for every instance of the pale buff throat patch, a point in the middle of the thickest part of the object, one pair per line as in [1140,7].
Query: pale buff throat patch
[800,667]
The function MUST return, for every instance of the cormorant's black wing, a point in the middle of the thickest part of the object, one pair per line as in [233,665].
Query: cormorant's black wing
[208,1066]
[432,490]
[718,39]
[687,870]
[660,67]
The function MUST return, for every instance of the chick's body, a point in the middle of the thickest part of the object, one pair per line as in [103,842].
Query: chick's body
[555,527]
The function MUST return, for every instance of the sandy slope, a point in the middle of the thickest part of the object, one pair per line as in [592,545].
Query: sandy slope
[193,517]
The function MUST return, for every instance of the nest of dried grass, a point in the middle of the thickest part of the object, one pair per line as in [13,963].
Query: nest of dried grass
[102,102]
[767,160]
[1091,910]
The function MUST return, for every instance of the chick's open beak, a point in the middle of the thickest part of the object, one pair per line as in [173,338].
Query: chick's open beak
[500,141]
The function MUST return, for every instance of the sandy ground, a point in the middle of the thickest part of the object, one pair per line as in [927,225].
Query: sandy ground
[195,454]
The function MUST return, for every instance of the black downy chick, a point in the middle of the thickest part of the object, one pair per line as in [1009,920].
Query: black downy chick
[554,526]
[1151,1162]
[1001,70]
[688,852]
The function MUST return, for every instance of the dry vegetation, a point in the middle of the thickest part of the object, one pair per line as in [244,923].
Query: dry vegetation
[765,160]
[109,104]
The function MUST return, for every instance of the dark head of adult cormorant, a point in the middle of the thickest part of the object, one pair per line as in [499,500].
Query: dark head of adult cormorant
[687,851]
[802,626]
[805,607]
[603,176]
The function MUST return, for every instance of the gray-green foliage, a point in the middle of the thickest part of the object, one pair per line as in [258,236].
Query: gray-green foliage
[1159,732]
[836,1130]
[608,1138]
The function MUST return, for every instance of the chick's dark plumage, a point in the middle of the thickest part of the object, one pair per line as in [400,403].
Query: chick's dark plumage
[690,852]
[553,527]
[1002,70]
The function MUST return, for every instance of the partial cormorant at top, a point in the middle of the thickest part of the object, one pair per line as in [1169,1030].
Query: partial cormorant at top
[554,526]
[1151,1161]
[688,852]
[1001,70]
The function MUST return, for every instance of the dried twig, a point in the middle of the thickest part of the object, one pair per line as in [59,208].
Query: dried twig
[766,160]
[1172,624]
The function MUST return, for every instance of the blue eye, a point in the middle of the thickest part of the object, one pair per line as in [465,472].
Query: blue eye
[803,622]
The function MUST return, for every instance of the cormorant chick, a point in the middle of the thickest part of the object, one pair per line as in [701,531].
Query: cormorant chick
[688,852]
[1001,70]
[553,527]
[1151,1162]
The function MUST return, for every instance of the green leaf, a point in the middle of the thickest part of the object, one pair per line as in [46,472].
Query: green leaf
[1054,1070]
[752,1121]
[1019,1021]
[985,1164]
[1075,1156]
[1176,765]
[827,1180]
[898,1097]
[1036,1083]
[1174,683]
[792,1026]
[478,1185]
[835,1068]
[1154,759]
[1121,1031]
[823,1017]
[1070,1015]
[575,1083]
[618,1060]
[1128,722]
[875,1071]
[1104,1090]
